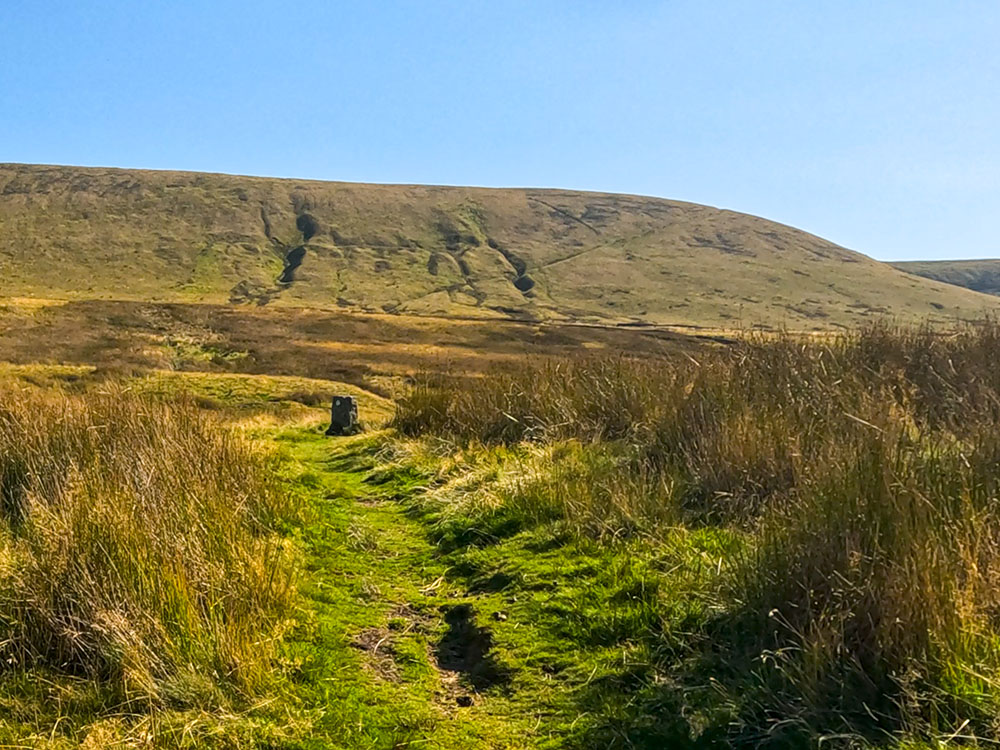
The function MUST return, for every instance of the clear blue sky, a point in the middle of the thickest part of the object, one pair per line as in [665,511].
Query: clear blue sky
[874,124]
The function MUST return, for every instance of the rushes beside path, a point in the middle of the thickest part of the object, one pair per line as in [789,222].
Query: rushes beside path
[138,560]
[859,477]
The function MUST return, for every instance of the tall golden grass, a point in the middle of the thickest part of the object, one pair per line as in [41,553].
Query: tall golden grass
[137,546]
[864,471]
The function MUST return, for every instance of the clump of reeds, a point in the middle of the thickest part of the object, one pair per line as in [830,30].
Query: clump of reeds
[863,468]
[137,546]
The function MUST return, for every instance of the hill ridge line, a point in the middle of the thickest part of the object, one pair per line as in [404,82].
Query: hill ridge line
[491,253]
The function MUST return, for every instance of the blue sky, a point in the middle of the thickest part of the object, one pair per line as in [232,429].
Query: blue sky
[874,124]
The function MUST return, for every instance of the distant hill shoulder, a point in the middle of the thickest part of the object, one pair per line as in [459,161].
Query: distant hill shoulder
[525,254]
[978,275]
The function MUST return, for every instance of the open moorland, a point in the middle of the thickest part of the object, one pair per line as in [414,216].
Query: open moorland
[775,542]
[362,348]
[584,509]
[523,254]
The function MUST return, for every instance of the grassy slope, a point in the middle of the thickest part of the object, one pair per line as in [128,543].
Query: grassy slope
[187,237]
[978,275]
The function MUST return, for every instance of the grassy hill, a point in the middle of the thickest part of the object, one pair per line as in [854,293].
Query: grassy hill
[978,275]
[543,255]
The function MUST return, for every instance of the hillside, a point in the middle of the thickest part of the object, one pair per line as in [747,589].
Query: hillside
[546,255]
[978,275]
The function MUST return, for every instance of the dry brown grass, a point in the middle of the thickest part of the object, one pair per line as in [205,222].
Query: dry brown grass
[137,546]
[366,350]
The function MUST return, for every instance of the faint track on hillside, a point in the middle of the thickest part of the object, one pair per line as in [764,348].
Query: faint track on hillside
[564,212]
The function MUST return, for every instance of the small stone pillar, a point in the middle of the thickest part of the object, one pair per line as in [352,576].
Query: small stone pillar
[343,416]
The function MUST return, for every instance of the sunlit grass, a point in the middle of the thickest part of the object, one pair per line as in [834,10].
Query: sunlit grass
[137,548]
[861,473]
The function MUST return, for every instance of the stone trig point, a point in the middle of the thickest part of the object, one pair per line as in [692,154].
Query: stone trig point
[343,416]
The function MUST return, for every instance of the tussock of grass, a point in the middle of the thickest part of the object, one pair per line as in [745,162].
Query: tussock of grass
[862,471]
[136,548]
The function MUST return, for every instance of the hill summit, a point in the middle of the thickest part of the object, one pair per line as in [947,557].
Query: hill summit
[525,254]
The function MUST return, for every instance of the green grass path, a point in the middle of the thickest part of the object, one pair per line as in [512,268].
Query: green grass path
[382,615]
[425,629]
[423,626]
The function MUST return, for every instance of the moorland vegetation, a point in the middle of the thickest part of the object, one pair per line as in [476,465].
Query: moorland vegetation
[851,482]
[775,541]
[140,559]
